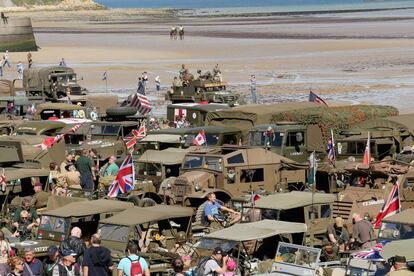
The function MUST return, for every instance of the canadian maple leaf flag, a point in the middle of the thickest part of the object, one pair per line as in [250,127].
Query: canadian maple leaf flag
[200,139]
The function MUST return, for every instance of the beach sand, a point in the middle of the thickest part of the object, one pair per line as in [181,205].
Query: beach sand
[361,57]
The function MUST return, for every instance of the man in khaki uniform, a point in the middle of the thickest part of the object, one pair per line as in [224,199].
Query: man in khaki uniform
[40,197]
[399,268]
[72,177]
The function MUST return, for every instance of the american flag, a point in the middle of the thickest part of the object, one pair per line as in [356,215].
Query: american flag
[391,206]
[131,139]
[316,99]
[50,141]
[141,101]
[124,181]
[372,254]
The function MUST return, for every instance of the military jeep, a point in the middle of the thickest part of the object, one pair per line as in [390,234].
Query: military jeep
[56,224]
[51,82]
[183,137]
[202,90]
[312,209]
[156,230]
[107,138]
[231,172]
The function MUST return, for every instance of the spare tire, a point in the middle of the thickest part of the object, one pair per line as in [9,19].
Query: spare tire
[117,111]
[147,202]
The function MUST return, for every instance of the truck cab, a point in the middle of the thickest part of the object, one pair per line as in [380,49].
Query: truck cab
[51,82]
[231,172]
[289,139]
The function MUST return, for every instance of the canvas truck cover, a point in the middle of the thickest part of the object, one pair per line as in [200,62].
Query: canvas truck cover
[245,117]
[400,248]
[7,88]
[88,208]
[170,156]
[257,230]
[306,113]
[295,199]
[38,77]
[405,217]
[401,122]
[138,215]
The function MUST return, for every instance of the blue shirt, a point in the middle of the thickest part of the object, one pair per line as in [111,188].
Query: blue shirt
[211,209]
[125,264]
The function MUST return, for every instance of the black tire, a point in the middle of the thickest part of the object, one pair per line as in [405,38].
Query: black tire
[200,214]
[147,202]
[118,111]
[134,199]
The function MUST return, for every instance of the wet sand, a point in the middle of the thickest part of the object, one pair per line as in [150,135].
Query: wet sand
[361,57]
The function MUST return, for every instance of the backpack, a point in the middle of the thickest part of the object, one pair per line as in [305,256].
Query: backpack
[201,267]
[136,269]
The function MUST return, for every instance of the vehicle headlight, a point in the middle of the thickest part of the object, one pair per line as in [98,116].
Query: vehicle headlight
[197,187]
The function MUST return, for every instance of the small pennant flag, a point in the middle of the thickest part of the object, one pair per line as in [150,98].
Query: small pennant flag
[200,139]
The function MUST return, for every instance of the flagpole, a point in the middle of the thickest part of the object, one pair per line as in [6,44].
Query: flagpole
[205,137]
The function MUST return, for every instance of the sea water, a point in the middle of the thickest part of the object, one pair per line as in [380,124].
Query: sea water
[260,5]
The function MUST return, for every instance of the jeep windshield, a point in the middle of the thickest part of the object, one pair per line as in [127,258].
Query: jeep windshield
[261,138]
[153,169]
[204,162]
[211,139]
[53,228]
[396,231]
[114,232]
[107,130]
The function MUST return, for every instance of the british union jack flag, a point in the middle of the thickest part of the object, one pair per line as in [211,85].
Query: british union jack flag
[124,181]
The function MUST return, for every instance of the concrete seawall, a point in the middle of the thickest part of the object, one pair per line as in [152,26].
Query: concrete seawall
[17,35]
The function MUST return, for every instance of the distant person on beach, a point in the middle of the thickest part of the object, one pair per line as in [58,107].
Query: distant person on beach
[253,88]
[141,86]
[181,32]
[5,18]
[20,68]
[29,59]
[6,59]
[173,33]
[62,62]
[157,83]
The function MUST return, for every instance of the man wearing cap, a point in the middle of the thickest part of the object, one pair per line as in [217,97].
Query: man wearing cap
[31,266]
[399,267]
[72,177]
[211,211]
[338,235]
[67,265]
[50,264]
[40,197]
[212,266]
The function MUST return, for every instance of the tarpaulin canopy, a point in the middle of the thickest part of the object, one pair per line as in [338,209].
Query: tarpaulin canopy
[257,230]
[295,199]
[162,138]
[139,215]
[88,208]
[400,248]
[168,156]
[406,216]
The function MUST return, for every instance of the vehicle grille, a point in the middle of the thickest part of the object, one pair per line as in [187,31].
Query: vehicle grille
[75,90]
[229,98]
[342,209]
[180,189]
